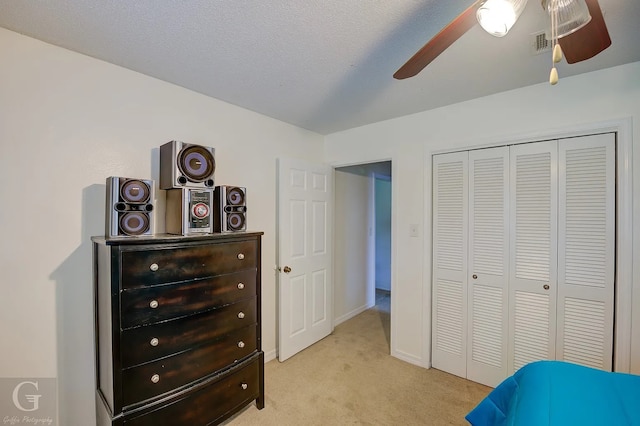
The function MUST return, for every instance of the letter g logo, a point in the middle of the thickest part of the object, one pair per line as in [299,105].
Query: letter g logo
[33,399]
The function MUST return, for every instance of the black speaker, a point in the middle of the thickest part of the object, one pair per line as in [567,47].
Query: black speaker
[184,165]
[129,207]
[231,204]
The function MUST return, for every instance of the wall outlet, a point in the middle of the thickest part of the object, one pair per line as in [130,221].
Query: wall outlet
[414,230]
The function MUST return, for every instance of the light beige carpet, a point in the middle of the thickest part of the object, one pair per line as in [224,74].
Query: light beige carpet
[349,378]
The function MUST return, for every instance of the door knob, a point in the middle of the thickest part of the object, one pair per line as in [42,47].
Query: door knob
[546,286]
[286,269]
[475,277]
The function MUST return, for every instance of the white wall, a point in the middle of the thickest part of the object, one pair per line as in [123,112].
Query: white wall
[612,94]
[383,197]
[352,274]
[67,122]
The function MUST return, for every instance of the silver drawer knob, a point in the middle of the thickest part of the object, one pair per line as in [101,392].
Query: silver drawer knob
[241,344]
[155,378]
[240,256]
[240,286]
[153,304]
[240,315]
[154,267]
[154,341]
[244,386]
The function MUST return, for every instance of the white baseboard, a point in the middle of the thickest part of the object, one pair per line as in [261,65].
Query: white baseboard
[411,359]
[352,314]
[270,355]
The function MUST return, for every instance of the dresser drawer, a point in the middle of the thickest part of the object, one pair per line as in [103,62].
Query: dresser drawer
[158,303]
[157,377]
[141,268]
[208,404]
[143,344]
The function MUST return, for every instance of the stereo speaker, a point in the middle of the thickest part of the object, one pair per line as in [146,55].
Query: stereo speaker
[184,165]
[129,207]
[231,205]
[189,211]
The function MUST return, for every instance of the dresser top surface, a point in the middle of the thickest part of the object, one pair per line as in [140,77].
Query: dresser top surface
[170,238]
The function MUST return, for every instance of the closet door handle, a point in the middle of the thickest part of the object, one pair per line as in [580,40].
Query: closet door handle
[546,286]
[474,276]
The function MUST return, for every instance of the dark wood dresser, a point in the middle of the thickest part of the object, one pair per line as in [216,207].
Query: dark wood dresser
[177,328]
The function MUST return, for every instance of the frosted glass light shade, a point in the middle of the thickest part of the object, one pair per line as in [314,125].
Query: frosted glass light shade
[498,16]
[572,14]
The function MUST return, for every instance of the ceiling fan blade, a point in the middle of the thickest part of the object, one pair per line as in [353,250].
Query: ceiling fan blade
[589,40]
[439,43]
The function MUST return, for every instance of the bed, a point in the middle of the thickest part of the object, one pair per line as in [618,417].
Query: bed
[561,393]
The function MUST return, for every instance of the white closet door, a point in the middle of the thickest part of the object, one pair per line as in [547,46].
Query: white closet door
[488,265]
[586,250]
[533,253]
[450,236]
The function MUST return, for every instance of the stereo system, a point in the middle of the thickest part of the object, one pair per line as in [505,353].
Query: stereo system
[189,211]
[184,165]
[194,205]
[231,205]
[129,207]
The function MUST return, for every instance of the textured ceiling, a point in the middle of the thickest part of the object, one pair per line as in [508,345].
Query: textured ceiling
[324,65]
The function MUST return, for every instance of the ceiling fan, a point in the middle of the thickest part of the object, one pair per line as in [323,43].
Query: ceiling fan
[580,42]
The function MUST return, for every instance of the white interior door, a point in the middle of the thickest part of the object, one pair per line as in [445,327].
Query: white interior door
[488,265]
[305,287]
[586,250]
[533,246]
[450,236]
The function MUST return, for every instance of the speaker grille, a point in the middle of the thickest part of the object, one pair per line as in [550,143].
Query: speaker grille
[235,221]
[196,163]
[134,191]
[235,196]
[134,223]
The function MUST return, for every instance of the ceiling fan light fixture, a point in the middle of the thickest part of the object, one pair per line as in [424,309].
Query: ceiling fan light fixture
[571,15]
[498,16]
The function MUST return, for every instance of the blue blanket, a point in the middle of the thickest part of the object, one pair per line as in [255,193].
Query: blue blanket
[559,393]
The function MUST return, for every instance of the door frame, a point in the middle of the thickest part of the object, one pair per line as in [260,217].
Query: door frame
[336,165]
[623,303]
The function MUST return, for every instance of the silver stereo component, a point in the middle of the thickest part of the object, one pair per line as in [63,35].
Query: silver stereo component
[231,208]
[129,207]
[184,165]
[189,211]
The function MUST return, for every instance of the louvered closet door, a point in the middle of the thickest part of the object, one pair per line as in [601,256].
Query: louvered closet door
[586,250]
[450,235]
[488,265]
[533,253]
